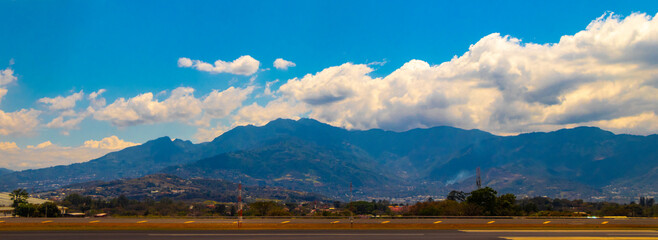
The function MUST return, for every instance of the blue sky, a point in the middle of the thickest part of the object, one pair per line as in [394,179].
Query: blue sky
[129,48]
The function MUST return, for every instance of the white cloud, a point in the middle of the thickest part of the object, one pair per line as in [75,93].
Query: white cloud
[604,75]
[268,88]
[144,109]
[111,143]
[185,62]
[377,63]
[259,115]
[42,145]
[8,146]
[62,103]
[7,76]
[180,105]
[3,92]
[20,122]
[641,124]
[96,100]
[244,65]
[281,64]
[47,154]
[206,135]
[68,120]
[255,114]
[220,104]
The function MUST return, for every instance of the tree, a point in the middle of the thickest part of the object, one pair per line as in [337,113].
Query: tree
[455,195]
[506,205]
[49,209]
[219,209]
[361,207]
[485,198]
[26,210]
[267,209]
[18,196]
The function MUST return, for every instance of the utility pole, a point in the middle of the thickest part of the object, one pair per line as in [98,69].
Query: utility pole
[351,213]
[478,180]
[239,205]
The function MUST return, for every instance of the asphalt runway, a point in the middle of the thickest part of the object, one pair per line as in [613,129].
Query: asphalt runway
[336,235]
[648,222]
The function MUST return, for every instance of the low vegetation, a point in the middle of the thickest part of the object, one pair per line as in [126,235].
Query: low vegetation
[481,202]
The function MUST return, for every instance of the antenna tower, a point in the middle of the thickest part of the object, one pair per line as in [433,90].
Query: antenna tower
[478,180]
[351,213]
[239,205]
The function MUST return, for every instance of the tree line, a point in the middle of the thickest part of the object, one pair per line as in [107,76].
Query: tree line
[481,202]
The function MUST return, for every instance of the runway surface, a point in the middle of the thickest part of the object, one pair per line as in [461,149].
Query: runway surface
[337,234]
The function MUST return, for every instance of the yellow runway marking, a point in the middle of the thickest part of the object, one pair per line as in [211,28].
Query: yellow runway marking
[437,222]
[579,238]
[385,222]
[491,222]
[142,221]
[284,222]
[334,222]
[46,221]
[547,222]
[95,221]
[558,231]
[188,222]
[606,222]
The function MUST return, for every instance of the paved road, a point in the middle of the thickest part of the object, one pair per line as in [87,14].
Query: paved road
[492,221]
[333,235]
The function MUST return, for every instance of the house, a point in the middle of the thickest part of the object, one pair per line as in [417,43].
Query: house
[6,211]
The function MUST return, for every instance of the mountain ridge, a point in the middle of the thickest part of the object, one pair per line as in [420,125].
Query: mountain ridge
[430,161]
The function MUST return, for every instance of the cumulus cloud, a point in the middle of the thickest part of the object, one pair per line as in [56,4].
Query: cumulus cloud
[260,115]
[603,75]
[42,145]
[244,65]
[206,135]
[8,146]
[7,76]
[180,105]
[144,109]
[281,64]
[47,154]
[219,104]
[268,88]
[111,143]
[18,123]
[62,103]
[68,120]
[96,101]
[255,114]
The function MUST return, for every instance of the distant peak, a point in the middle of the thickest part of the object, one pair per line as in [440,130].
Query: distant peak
[291,122]
[164,139]
[586,129]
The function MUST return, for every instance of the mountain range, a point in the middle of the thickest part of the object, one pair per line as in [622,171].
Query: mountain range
[5,171]
[306,155]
